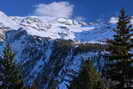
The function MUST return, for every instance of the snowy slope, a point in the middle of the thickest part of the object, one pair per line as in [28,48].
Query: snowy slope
[57,28]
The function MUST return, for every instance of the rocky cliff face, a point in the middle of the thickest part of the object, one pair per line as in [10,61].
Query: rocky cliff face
[46,62]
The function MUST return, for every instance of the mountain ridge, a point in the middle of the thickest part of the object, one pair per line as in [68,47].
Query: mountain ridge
[57,28]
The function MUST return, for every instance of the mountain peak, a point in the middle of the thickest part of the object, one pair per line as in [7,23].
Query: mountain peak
[2,13]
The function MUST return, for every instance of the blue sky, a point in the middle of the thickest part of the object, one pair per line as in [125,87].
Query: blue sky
[88,9]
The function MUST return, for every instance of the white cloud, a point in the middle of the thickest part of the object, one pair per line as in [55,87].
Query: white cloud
[113,20]
[54,9]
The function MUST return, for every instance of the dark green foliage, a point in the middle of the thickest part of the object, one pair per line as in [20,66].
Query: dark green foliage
[119,67]
[87,47]
[121,40]
[64,43]
[10,75]
[88,78]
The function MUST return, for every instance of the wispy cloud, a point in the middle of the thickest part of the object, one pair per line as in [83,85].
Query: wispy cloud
[54,9]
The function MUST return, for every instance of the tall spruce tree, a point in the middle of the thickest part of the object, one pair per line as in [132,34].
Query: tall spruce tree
[119,67]
[88,78]
[10,76]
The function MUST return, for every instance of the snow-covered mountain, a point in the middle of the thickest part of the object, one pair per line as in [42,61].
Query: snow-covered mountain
[56,28]
[49,48]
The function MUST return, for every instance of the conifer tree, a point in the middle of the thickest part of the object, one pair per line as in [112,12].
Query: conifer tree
[119,67]
[10,76]
[88,78]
